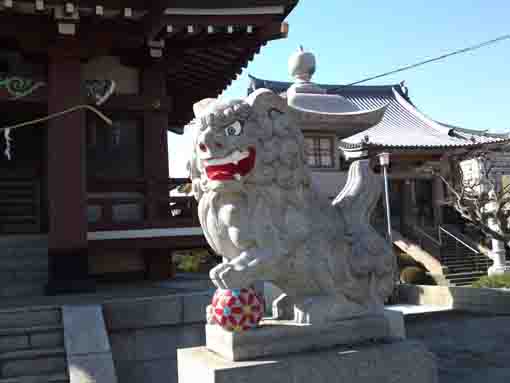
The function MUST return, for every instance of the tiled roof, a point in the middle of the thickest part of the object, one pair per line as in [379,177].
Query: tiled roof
[403,125]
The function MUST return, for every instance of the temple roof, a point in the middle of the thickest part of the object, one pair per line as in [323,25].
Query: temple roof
[403,126]
[203,44]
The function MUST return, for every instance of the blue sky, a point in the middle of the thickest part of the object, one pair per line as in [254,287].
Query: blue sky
[360,38]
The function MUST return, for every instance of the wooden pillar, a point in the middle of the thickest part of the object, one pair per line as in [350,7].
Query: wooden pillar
[66,174]
[438,197]
[155,126]
[407,206]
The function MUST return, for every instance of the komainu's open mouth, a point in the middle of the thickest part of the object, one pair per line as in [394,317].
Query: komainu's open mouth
[235,165]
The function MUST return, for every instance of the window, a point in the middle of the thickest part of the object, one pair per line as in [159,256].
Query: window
[319,152]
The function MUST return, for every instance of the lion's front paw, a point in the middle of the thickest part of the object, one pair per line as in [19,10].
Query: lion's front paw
[233,279]
[215,273]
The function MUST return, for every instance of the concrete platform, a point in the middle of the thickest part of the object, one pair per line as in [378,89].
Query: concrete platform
[398,362]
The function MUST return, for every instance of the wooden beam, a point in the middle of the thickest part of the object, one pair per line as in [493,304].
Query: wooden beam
[219,20]
[271,31]
[121,102]
[153,22]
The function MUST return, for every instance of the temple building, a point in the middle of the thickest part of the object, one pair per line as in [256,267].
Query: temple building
[84,185]
[418,145]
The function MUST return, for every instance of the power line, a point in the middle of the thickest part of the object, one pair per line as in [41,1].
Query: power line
[438,58]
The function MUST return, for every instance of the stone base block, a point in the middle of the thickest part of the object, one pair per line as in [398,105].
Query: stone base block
[277,337]
[397,362]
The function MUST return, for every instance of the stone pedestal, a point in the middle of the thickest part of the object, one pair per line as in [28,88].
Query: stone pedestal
[397,362]
[369,349]
[276,337]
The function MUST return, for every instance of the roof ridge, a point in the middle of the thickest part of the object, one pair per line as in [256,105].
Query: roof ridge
[287,84]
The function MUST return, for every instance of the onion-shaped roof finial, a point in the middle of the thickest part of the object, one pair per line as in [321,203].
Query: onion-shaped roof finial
[302,65]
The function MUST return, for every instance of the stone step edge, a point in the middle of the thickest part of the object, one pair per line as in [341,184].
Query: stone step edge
[29,309]
[467,274]
[32,354]
[9,331]
[59,377]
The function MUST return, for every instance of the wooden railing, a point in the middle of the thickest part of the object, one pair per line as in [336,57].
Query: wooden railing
[152,199]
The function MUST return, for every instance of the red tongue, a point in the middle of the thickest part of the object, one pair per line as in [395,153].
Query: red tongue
[227,171]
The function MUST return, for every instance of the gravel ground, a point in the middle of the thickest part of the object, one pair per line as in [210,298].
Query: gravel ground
[470,348]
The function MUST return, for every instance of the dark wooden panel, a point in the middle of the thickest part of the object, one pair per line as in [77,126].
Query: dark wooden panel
[174,243]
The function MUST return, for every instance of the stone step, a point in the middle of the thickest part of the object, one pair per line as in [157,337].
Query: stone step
[466,269]
[465,280]
[28,317]
[33,362]
[16,201]
[37,337]
[24,241]
[29,330]
[466,274]
[466,261]
[18,259]
[23,289]
[32,354]
[28,276]
[52,378]
[17,218]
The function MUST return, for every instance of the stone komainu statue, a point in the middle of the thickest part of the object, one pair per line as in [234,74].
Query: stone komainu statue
[259,210]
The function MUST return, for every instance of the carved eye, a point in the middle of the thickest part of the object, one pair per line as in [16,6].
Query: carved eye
[234,129]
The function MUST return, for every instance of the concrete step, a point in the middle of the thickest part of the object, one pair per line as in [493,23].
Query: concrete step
[30,330]
[23,289]
[24,263]
[464,271]
[465,274]
[52,378]
[32,353]
[466,261]
[23,241]
[28,317]
[33,362]
[36,337]
[464,279]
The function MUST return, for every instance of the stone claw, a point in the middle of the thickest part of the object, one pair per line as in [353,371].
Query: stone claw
[215,273]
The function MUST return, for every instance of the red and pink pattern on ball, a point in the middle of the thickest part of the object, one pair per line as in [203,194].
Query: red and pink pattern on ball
[237,309]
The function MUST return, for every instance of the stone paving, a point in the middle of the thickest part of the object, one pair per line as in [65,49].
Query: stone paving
[471,348]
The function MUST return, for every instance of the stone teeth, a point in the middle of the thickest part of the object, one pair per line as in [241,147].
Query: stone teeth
[234,158]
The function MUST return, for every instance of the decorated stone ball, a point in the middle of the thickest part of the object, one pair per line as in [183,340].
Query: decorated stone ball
[236,309]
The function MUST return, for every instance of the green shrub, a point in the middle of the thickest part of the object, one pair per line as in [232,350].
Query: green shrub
[195,261]
[416,276]
[493,282]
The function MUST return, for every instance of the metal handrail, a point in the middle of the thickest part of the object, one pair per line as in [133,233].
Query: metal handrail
[458,240]
[442,229]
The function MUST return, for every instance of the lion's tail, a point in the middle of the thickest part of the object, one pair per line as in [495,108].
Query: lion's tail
[360,195]
[372,255]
